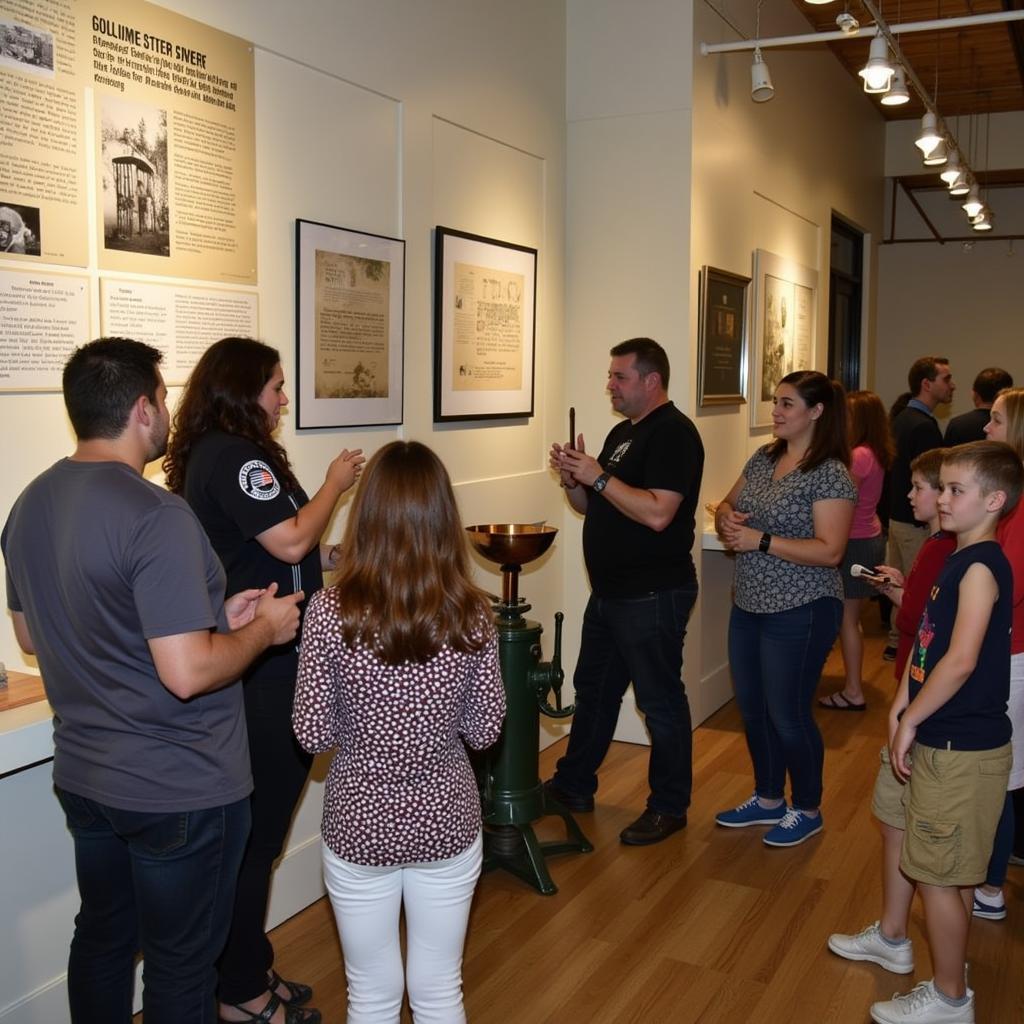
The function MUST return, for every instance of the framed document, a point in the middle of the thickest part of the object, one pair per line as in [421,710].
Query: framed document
[785,307]
[349,327]
[484,327]
[722,338]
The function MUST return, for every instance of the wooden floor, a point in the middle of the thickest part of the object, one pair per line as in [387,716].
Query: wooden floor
[708,926]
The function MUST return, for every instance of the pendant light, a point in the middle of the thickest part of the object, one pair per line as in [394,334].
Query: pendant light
[929,137]
[878,72]
[972,206]
[898,93]
[962,185]
[983,222]
[761,88]
[951,171]
[937,156]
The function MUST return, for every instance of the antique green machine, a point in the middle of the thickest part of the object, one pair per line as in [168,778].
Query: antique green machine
[511,791]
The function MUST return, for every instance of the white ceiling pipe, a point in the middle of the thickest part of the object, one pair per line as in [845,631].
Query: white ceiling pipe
[996,17]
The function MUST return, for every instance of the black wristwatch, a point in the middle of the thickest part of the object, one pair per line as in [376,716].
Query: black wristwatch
[600,483]
[765,543]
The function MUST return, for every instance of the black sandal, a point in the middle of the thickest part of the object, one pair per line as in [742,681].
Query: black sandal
[298,994]
[292,1014]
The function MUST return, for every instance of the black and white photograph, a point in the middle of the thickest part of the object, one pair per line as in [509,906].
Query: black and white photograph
[19,229]
[136,214]
[23,48]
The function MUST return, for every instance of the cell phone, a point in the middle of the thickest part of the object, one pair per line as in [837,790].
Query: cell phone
[879,579]
[572,427]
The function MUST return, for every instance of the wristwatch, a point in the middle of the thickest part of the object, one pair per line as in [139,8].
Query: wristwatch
[765,542]
[600,483]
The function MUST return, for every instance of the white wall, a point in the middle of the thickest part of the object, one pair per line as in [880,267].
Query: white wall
[389,117]
[961,301]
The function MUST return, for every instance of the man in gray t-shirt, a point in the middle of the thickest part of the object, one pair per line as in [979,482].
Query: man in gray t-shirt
[112,583]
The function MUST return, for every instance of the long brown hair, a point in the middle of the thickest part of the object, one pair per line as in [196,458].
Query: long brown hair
[829,440]
[222,393]
[869,426]
[404,588]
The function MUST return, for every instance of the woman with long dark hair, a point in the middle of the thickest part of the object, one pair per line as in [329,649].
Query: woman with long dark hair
[787,518]
[399,666]
[871,454]
[224,460]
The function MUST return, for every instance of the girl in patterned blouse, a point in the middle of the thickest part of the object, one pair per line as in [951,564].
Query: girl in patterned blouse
[788,518]
[399,666]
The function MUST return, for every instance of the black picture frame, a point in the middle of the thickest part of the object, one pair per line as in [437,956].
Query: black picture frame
[722,338]
[485,316]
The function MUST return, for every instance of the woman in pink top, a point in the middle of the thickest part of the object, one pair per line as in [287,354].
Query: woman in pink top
[873,451]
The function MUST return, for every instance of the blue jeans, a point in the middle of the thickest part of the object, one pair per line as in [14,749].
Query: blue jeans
[640,640]
[776,661]
[162,883]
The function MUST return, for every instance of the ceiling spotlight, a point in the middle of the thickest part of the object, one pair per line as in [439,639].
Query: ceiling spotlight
[983,222]
[937,156]
[878,72]
[972,206]
[897,93]
[761,88]
[929,137]
[818,3]
[951,171]
[847,23]
[962,185]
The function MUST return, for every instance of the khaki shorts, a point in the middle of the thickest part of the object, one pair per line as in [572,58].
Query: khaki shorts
[889,799]
[954,803]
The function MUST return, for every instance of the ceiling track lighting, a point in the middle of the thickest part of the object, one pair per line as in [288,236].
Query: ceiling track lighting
[878,72]
[938,156]
[951,171]
[761,88]
[962,185]
[973,204]
[929,137]
[898,93]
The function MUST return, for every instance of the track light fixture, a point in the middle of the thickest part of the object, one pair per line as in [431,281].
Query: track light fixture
[962,185]
[898,93]
[972,206]
[878,72]
[938,156]
[983,222]
[929,137]
[761,88]
[951,171]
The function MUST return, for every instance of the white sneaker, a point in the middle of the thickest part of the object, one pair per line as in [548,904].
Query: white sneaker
[869,945]
[923,1005]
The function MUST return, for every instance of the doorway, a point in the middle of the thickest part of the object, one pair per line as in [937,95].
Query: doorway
[845,298]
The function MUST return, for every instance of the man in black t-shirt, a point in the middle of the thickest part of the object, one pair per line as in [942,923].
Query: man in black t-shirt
[639,498]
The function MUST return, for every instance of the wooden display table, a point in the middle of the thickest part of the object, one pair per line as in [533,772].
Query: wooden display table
[21,689]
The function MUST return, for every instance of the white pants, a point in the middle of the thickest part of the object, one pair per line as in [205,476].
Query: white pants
[367,902]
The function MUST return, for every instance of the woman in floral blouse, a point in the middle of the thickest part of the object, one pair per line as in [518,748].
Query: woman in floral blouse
[788,518]
[399,666]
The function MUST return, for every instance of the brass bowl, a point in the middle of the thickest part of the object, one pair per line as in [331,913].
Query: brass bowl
[511,543]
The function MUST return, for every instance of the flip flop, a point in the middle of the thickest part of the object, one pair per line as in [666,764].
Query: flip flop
[837,702]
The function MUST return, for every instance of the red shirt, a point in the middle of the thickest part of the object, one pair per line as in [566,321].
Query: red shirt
[1010,534]
[917,585]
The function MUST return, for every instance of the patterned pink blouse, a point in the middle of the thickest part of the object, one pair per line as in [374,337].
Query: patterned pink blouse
[400,789]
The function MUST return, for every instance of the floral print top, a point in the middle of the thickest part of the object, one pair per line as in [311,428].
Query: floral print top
[400,789]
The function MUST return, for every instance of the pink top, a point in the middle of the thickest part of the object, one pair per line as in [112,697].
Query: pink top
[869,476]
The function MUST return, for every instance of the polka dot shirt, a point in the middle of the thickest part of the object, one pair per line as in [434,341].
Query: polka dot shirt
[400,789]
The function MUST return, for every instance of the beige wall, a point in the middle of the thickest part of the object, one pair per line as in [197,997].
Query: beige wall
[965,302]
[394,117]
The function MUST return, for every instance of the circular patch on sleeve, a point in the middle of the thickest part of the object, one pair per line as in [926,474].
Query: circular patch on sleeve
[257,479]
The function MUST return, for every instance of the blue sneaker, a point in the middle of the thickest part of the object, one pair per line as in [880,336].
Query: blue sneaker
[751,813]
[793,829]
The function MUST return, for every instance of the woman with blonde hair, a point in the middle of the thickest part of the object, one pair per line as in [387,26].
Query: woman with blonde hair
[399,667]
[871,453]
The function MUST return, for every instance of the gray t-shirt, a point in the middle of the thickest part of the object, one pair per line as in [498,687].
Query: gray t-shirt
[785,508]
[100,560]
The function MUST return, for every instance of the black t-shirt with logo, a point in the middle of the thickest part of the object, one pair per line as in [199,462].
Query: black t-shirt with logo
[237,492]
[662,451]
